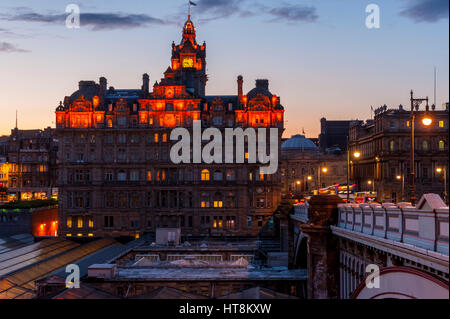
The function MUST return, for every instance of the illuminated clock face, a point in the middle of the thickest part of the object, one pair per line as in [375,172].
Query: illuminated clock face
[188,63]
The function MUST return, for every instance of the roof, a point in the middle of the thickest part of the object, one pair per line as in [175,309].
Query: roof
[431,201]
[19,269]
[257,293]
[262,87]
[299,142]
[199,273]
[168,293]
[85,292]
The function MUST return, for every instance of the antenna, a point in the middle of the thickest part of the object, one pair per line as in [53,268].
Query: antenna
[434,86]
[16,119]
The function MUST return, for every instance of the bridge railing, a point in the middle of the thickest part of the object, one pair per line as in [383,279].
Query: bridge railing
[301,210]
[425,228]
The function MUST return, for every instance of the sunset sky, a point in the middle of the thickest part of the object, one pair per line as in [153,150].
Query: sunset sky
[319,56]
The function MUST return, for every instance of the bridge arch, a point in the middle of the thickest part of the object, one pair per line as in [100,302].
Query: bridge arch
[403,283]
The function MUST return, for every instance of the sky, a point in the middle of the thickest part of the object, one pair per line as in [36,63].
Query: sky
[319,55]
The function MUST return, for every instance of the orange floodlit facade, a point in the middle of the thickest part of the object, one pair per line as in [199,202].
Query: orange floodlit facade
[44,222]
[115,173]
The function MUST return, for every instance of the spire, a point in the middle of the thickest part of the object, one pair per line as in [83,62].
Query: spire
[16,120]
[189,32]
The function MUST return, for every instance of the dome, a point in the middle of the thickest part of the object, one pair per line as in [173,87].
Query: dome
[88,89]
[261,87]
[298,142]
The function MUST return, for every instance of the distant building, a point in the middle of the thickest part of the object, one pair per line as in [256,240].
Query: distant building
[301,160]
[29,171]
[385,147]
[333,134]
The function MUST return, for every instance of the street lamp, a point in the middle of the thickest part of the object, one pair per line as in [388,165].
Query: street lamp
[426,121]
[324,170]
[373,185]
[444,173]
[402,178]
[356,155]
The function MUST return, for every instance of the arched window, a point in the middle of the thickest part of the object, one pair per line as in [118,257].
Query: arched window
[425,145]
[441,145]
[205,175]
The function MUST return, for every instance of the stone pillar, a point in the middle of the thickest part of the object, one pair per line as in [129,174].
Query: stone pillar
[323,252]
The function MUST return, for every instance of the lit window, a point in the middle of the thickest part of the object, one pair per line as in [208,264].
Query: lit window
[392,146]
[91,222]
[149,176]
[204,204]
[218,204]
[156,138]
[246,155]
[205,175]
[69,222]
[441,145]
[164,137]
[407,123]
[80,222]
[441,123]
[425,145]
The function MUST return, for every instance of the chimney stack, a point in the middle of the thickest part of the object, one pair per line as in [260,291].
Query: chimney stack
[145,84]
[103,85]
[240,81]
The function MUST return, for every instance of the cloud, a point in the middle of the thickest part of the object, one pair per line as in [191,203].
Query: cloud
[96,21]
[10,48]
[216,9]
[293,13]
[426,10]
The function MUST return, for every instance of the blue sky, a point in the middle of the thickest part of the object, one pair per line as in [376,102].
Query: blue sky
[318,55]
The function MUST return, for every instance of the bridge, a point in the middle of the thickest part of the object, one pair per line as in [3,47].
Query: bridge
[340,244]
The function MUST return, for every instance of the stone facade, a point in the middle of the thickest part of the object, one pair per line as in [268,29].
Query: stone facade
[116,177]
[29,172]
[301,168]
[385,147]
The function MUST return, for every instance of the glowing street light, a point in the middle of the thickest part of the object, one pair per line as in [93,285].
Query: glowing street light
[426,121]
[443,171]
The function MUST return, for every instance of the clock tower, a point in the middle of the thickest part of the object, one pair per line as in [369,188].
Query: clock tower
[189,61]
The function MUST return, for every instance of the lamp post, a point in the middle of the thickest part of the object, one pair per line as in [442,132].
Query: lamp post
[370,182]
[444,173]
[324,170]
[402,178]
[308,180]
[426,121]
[356,154]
